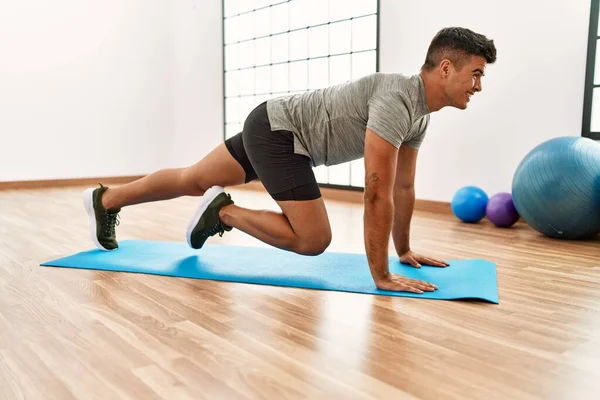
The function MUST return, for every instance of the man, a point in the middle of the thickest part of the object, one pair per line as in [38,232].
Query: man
[381,117]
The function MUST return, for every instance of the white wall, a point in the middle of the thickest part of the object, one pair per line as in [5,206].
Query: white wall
[532,93]
[198,81]
[111,88]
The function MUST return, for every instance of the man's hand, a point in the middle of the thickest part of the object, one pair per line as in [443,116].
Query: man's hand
[416,260]
[399,283]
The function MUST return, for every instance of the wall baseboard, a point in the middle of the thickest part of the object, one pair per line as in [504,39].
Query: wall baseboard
[352,196]
[60,183]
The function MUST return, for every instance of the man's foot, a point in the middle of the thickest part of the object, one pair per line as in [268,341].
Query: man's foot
[206,221]
[102,221]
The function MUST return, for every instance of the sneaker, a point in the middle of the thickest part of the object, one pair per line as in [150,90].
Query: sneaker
[206,221]
[102,221]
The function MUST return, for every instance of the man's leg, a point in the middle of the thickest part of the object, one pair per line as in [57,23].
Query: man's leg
[103,204]
[218,168]
[303,227]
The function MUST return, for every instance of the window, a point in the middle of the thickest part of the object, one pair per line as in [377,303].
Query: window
[591,105]
[273,48]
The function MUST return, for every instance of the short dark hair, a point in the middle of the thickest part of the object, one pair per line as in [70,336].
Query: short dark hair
[455,44]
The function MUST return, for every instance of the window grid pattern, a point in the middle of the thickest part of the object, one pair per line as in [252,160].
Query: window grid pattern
[591,112]
[276,48]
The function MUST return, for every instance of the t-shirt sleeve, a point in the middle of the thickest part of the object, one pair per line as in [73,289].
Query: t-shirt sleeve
[417,133]
[389,118]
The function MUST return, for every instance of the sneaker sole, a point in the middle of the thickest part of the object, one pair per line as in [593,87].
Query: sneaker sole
[88,203]
[207,198]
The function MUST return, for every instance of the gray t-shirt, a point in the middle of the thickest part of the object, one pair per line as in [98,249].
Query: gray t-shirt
[329,124]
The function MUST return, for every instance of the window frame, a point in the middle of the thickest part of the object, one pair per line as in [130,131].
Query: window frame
[224,113]
[593,38]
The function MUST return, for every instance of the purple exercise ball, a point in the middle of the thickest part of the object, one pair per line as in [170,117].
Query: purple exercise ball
[501,210]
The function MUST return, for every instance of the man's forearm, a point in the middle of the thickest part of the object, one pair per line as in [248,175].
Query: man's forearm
[377,226]
[404,203]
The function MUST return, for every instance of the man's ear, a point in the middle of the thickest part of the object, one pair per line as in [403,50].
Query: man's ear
[445,67]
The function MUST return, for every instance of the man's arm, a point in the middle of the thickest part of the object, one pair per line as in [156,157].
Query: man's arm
[404,203]
[404,197]
[380,171]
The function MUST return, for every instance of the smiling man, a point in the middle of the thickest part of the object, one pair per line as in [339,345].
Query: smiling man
[382,117]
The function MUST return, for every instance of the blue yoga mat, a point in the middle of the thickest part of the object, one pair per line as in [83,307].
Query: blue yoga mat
[463,279]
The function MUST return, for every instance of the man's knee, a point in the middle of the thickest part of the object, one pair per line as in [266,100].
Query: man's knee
[313,245]
[190,184]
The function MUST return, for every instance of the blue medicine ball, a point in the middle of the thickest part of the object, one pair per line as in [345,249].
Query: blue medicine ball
[469,203]
[556,188]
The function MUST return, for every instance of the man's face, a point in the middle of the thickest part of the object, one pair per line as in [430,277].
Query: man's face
[464,82]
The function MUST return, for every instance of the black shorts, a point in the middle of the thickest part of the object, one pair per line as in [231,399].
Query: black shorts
[269,156]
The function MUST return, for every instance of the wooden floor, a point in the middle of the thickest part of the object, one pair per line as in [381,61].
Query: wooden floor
[74,334]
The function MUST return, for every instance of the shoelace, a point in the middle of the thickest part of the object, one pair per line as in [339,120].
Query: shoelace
[112,220]
[217,228]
